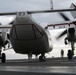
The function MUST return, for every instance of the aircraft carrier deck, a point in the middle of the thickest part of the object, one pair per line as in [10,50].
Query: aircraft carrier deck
[52,66]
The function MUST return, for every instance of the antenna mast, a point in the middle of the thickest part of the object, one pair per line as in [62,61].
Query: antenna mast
[51,4]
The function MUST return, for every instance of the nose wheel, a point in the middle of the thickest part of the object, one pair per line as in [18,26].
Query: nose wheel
[42,58]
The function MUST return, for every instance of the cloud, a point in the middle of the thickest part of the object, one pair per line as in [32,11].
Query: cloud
[5,20]
[63,3]
[24,5]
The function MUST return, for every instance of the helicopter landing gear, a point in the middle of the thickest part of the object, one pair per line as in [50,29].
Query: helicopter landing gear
[70,54]
[2,57]
[42,58]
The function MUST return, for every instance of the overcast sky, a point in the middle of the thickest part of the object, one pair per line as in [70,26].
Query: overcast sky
[23,5]
[28,5]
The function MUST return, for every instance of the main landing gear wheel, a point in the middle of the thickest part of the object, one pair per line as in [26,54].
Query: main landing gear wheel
[42,58]
[3,58]
[70,54]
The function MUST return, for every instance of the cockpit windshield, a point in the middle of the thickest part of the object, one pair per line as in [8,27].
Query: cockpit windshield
[25,32]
